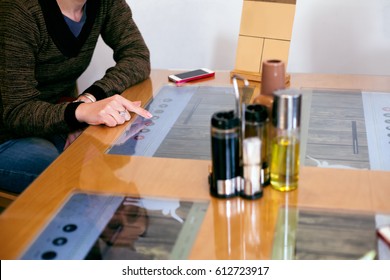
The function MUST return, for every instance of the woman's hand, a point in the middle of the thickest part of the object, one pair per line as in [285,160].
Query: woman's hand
[111,111]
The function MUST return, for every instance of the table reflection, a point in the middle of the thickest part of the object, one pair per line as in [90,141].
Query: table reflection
[245,229]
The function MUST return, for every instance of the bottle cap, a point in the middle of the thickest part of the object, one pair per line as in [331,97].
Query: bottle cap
[225,120]
[286,111]
[256,113]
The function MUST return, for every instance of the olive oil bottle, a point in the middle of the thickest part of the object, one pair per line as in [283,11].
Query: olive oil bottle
[285,163]
[286,119]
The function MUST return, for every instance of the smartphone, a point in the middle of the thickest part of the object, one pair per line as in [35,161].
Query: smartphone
[384,234]
[191,75]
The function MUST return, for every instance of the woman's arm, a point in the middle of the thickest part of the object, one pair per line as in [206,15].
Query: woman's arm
[130,51]
[23,111]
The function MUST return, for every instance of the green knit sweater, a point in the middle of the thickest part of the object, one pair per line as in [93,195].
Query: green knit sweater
[40,61]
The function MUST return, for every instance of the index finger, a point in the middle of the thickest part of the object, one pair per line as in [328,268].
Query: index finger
[136,108]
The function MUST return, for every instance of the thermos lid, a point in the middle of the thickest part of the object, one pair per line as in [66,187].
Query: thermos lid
[286,111]
[225,120]
[256,113]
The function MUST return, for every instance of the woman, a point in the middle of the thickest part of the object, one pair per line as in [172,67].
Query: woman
[45,45]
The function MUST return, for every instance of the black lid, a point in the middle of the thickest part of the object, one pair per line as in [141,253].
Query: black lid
[256,113]
[225,120]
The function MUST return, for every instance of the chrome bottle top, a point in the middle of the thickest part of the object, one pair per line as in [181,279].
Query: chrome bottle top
[286,112]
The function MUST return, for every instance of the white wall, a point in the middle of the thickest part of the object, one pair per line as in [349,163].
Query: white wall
[341,36]
[181,34]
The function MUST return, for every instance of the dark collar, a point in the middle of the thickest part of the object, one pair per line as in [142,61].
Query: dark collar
[59,31]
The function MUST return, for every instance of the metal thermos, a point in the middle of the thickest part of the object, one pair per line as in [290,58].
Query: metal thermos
[225,177]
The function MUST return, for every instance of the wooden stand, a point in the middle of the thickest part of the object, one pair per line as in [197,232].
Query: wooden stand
[265,33]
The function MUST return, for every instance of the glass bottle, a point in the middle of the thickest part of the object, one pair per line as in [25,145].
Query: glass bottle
[255,124]
[285,139]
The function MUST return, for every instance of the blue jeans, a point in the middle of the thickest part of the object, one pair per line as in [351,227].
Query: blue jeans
[22,160]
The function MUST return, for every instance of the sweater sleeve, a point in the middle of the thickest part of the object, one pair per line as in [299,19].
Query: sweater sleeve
[23,112]
[131,54]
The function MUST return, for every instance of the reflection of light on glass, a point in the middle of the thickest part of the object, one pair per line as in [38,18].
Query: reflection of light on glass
[284,239]
[167,207]
[290,222]
[286,247]
[228,236]
[251,230]
[138,124]
[229,225]
[228,210]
